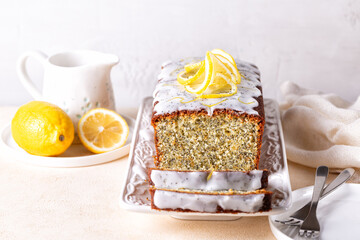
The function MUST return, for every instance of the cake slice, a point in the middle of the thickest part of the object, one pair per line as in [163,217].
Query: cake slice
[208,181]
[210,202]
[195,134]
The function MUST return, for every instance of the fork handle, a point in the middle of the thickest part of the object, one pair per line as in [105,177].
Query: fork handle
[338,181]
[321,175]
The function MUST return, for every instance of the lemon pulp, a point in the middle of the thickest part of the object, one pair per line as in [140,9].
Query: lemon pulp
[102,130]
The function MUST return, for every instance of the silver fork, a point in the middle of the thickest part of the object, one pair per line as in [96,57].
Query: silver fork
[298,217]
[310,228]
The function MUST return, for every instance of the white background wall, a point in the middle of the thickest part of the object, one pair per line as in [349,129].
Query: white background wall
[313,43]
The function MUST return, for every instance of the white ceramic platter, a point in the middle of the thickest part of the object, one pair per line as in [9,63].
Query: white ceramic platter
[76,156]
[135,195]
[338,214]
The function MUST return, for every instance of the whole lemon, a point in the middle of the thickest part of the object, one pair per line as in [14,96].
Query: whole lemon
[42,128]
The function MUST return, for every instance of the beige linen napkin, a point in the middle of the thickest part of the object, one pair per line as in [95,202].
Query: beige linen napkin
[320,129]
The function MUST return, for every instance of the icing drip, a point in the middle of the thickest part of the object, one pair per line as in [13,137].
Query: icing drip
[207,202]
[171,96]
[240,181]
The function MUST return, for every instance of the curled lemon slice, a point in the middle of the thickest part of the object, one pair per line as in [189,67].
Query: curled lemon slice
[188,77]
[222,87]
[224,54]
[226,59]
[102,130]
[235,75]
[229,61]
[214,77]
[222,82]
[192,66]
[199,85]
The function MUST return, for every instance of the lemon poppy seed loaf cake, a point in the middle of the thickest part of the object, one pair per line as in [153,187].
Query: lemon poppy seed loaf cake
[202,134]
[208,143]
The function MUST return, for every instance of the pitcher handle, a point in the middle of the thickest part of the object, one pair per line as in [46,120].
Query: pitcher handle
[23,74]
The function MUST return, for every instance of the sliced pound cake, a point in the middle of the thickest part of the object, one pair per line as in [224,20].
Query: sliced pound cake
[211,202]
[208,148]
[208,180]
[200,134]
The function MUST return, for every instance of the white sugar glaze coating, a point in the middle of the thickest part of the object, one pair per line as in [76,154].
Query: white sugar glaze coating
[207,202]
[171,96]
[240,181]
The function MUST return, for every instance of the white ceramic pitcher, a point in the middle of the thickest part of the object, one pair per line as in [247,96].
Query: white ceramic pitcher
[76,81]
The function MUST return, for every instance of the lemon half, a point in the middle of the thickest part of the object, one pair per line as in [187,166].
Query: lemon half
[102,130]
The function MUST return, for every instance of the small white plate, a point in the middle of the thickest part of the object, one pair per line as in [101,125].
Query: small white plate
[76,156]
[135,195]
[338,214]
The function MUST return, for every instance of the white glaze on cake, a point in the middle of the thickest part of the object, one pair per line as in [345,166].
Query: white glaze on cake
[241,181]
[207,202]
[171,96]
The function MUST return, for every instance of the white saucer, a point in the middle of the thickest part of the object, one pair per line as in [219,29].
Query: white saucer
[136,197]
[338,214]
[76,156]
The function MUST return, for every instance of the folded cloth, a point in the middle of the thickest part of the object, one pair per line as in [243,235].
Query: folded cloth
[320,129]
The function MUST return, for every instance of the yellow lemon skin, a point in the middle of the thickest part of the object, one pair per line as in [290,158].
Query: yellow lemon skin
[42,129]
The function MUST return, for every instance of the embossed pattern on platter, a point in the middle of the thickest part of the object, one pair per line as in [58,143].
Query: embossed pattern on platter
[137,193]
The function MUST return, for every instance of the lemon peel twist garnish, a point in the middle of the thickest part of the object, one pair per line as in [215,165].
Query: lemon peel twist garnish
[192,66]
[193,73]
[214,77]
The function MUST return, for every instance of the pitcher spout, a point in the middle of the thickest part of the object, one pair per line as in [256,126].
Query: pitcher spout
[111,59]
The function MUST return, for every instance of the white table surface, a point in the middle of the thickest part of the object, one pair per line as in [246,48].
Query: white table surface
[82,203]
